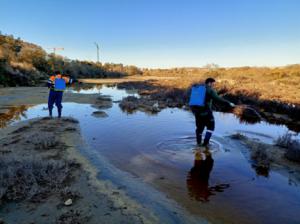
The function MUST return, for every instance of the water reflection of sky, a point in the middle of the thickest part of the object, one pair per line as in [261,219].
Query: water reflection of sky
[116,94]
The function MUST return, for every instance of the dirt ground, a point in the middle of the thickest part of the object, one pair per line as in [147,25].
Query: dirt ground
[44,179]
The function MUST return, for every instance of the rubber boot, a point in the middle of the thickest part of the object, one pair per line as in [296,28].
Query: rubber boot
[50,113]
[199,138]
[207,138]
[59,112]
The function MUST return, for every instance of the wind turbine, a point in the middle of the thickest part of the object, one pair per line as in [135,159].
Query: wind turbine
[97,46]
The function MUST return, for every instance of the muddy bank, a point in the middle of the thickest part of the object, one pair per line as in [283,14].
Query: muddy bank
[155,96]
[266,157]
[45,180]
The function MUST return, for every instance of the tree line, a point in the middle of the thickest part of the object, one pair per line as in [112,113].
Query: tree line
[27,64]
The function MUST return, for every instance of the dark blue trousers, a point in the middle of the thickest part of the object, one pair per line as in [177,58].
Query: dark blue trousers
[55,97]
[203,121]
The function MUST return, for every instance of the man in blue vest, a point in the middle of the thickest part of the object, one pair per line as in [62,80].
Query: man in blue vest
[203,113]
[57,85]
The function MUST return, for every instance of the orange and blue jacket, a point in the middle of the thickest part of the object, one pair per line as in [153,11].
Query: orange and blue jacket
[51,81]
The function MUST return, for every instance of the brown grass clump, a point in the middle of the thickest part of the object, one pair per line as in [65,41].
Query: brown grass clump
[131,104]
[291,145]
[73,217]
[247,114]
[32,179]
[12,113]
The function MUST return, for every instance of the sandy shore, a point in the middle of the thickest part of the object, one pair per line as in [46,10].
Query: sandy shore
[38,95]
[44,179]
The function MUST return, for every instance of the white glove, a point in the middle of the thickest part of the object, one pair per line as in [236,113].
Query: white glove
[232,104]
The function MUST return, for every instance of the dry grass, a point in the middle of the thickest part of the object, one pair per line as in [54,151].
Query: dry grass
[12,113]
[32,179]
[247,114]
[126,79]
[280,84]
[271,91]
[73,217]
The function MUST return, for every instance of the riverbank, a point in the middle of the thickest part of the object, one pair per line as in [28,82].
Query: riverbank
[44,179]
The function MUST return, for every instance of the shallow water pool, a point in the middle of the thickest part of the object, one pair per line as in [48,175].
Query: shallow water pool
[155,160]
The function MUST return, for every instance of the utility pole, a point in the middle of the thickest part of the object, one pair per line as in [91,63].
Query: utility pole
[54,51]
[97,46]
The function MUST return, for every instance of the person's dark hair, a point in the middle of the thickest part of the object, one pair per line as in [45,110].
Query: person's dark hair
[209,80]
[57,72]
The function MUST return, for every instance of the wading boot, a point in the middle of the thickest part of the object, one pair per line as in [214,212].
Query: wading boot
[59,112]
[207,138]
[50,113]
[198,138]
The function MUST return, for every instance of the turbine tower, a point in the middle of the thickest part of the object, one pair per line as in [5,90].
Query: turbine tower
[97,46]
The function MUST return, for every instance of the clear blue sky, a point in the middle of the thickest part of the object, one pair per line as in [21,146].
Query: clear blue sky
[161,33]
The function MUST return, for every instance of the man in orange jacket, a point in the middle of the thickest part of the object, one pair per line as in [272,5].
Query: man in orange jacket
[57,84]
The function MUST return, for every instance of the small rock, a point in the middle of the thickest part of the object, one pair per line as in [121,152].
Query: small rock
[99,114]
[68,202]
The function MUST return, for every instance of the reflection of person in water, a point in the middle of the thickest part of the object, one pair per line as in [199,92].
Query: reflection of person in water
[198,177]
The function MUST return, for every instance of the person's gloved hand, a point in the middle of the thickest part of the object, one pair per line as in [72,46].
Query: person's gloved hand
[232,104]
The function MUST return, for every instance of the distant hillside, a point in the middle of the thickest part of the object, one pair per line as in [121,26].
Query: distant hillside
[26,64]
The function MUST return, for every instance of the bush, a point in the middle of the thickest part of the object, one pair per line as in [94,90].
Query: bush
[291,145]
[29,179]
